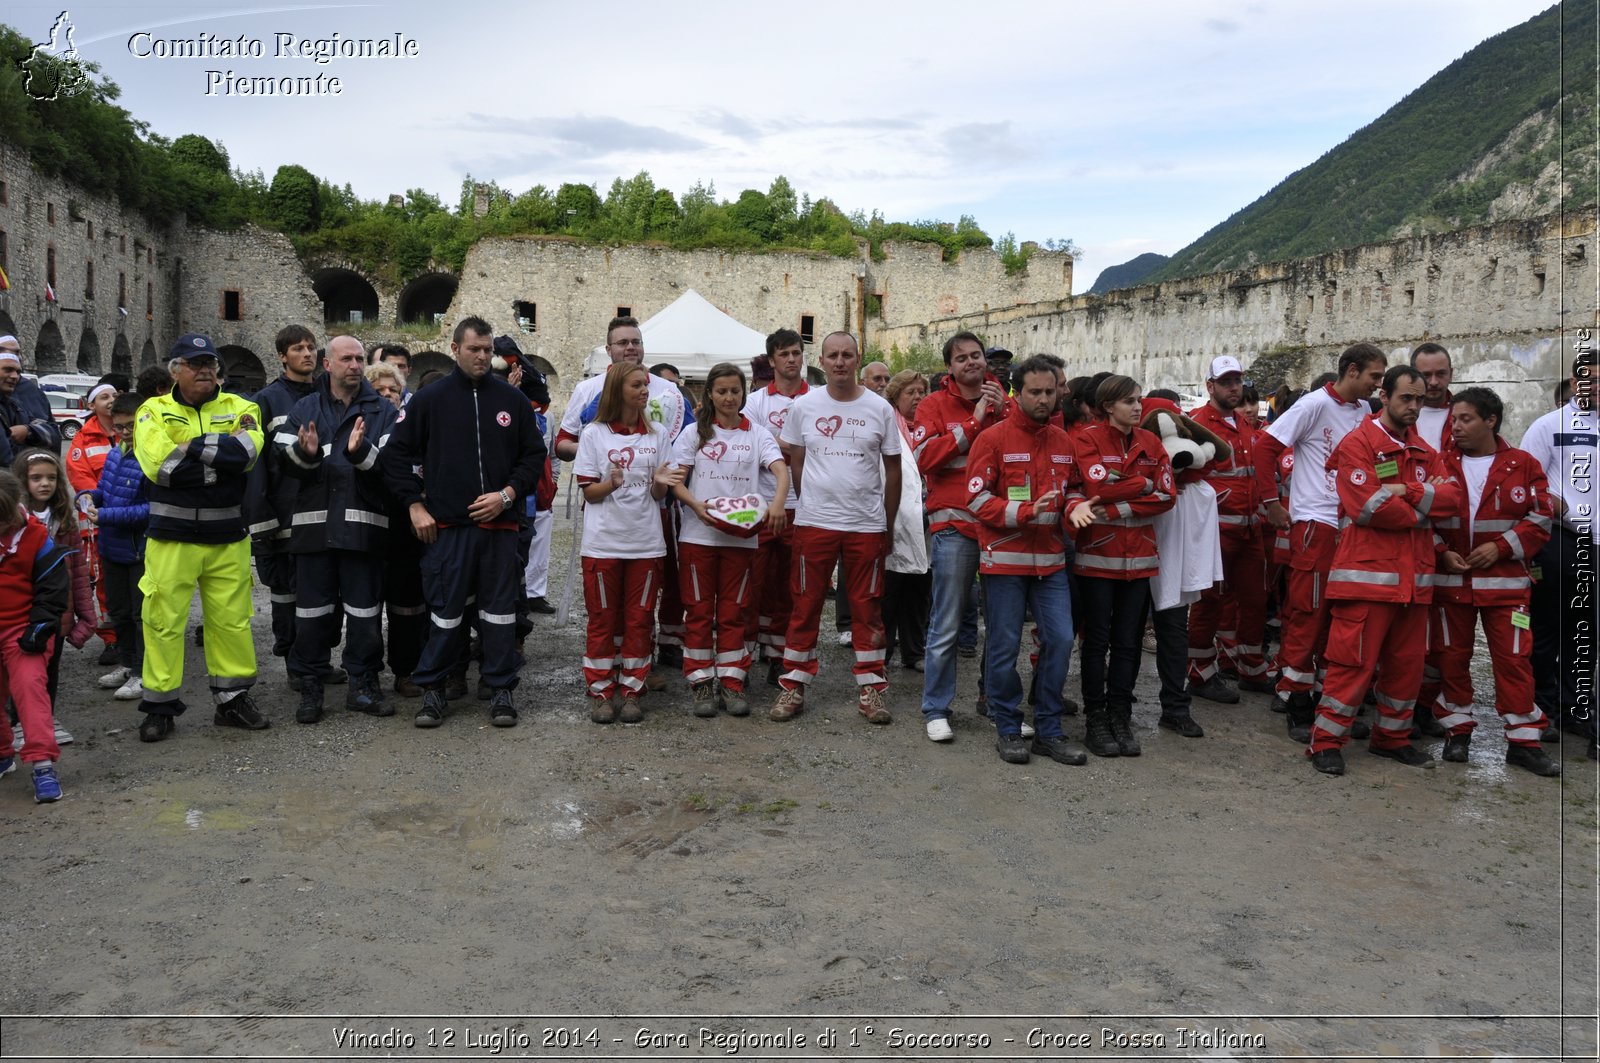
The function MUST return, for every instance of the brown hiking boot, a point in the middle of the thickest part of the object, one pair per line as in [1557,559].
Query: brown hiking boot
[871,705]
[789,704]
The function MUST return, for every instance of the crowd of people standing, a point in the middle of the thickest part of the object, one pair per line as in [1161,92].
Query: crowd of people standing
[1374,520]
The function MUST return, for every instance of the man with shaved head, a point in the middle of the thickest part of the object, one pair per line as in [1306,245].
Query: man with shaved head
[329,447]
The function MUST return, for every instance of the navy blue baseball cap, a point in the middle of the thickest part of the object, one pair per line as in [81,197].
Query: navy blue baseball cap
[193,345]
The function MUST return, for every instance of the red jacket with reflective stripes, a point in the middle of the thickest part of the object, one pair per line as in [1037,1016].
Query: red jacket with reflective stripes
[941,439]
[1385,551]
[1132,477]
[1234,480]
[1514,513]
[1280,536]
[1011,464]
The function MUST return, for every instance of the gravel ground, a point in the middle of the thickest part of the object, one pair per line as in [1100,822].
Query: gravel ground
[698,878]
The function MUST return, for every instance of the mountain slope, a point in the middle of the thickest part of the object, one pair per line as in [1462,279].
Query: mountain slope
[1128,273]
[1485,138]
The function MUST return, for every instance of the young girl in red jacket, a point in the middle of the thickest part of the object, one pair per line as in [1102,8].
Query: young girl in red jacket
[624,466]
[723,457]
[1127,474]
[49,499]
[33,596]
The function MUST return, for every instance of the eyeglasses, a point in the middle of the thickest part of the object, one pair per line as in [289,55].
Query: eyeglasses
[627,343]
[123,429]
[200,363]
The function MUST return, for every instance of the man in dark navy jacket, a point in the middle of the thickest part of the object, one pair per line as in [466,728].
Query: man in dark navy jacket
[330,444]
[479,452]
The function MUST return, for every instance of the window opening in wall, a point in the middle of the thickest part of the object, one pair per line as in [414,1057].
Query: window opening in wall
[808,328]
[5,256]
[50,266]
[50,212]
[5,194]
[149,301]
[1538,284]
[527,315]
[88,280]
[122,289]
[122,244]
[624,311]
[149,256]
[231,310]
[1411,295]
[89,226]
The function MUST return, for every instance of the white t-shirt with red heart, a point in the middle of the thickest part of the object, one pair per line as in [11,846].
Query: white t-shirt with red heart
[767,408]
[729,466]
[627,522]
[845,442]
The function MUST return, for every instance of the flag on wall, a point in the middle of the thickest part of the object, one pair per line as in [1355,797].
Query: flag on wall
[5,282]
[49,293]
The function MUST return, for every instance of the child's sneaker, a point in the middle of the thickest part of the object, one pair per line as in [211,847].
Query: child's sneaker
[46,787]
[113,679]
[7,766]
[63,736]
[132,690]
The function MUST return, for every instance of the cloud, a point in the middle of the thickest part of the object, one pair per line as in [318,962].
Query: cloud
[733,124]
[588,135]
[1222,25]
[977,143]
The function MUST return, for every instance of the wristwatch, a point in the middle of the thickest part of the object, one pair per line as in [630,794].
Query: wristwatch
[505,500]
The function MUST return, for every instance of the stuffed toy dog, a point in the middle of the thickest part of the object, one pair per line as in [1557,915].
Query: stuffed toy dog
[1190,446]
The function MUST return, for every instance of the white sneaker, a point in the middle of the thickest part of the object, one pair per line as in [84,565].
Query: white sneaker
[939,730]
[132,690]
[113,680]
[63,736]
[1027,729]
[844,638]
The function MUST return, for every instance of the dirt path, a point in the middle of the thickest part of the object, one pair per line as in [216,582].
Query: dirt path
[854,875]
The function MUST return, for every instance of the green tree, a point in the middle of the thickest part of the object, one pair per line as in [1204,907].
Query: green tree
[294,200]
[576,206]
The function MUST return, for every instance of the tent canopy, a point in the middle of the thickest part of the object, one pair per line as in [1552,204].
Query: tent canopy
[694,336]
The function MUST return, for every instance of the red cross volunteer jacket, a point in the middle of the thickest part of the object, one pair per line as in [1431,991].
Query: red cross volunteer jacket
[1514,513]
[1132,477]
[1009,466]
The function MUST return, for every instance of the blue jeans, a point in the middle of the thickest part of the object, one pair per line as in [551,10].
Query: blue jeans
[1007,600]
[954,565]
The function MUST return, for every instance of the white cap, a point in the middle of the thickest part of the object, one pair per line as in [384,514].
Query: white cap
[1222,366]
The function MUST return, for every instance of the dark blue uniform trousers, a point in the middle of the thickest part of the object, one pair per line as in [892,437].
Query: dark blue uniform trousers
[471,572]
[326,584]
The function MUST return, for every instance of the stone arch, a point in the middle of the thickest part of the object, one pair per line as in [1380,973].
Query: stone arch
[246,374]
[343,292]
[89,352]
[147,354]
[50,350]
[550,375]
[426,296]
[8,327]
[122,355]
[421,363]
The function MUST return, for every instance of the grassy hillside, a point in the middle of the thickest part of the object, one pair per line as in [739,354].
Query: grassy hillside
[1485,138]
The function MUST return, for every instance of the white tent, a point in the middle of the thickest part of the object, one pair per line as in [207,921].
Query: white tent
[694,336]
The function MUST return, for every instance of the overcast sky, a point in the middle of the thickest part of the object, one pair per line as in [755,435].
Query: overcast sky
[1126,128]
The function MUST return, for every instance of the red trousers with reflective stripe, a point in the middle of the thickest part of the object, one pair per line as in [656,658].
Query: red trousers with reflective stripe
[1447,685]
[768,623]
[620,595]
[1389,638]
[816,550]
[715,584]
[1305,606]
[1244,575]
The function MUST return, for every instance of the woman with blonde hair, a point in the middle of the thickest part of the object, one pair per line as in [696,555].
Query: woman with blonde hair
[388,382]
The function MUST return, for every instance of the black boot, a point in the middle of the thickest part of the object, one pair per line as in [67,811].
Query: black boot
[310,710]
[1097,736]
[1302,713]
[1122,730]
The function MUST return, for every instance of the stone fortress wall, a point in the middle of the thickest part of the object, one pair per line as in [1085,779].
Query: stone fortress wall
[1499,297]
[1494,295]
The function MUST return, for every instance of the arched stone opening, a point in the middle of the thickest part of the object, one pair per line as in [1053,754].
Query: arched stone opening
[346,296]
[550,375]
[89,353]
[122,355]
[427,298]
[8,327]
[50,350]
[421,363]
[147,354]
[246,374]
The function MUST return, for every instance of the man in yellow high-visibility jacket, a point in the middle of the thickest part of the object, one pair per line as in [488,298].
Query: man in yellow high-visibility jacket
[195,445]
